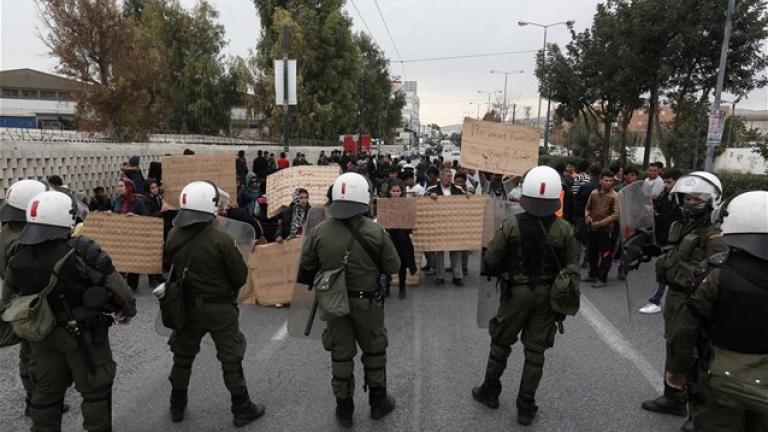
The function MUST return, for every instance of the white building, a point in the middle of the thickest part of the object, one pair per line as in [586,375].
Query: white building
[410,112]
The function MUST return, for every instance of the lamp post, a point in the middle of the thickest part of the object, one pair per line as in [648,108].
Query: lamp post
[489,93]
[506,75]
[568,23]
[478,109]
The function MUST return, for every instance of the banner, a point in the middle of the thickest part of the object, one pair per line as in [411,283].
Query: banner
[396,212]
[315,179]
[449,223]
[134,243]
[272,270]
[179,171]
[499,148]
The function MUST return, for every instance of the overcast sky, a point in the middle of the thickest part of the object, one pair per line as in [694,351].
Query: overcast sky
[420,28]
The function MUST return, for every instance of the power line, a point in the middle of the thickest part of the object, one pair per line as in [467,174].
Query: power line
[397,51]
[496,54]
[362,19]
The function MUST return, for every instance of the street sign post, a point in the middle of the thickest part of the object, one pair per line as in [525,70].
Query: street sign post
[716,126]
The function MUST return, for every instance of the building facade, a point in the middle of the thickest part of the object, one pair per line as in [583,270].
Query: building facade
[34,99]
[407,133]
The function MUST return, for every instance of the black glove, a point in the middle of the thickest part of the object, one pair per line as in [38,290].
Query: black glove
[559,318]
[651,250]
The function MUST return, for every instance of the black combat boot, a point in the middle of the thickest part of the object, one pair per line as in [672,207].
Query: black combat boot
[244,410]
[345,407]
[671,402]
[526,410]
[487,394]
[381,403]
[178,404]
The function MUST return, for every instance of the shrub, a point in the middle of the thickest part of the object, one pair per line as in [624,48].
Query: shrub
[735,183]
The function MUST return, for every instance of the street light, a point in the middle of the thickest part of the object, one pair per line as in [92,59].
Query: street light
[568,24]
[506,75]
[478,108]
[489,93]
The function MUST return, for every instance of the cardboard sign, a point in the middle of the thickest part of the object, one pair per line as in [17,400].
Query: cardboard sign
[499,148]
[135,243]
[396,212]
[272,270]
[282,184]
[449,223]
[179,171]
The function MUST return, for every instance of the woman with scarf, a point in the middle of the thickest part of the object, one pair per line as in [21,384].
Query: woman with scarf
[292,220]
[249,193]
[133,172]
[156,208]
[401,238]
[130,203]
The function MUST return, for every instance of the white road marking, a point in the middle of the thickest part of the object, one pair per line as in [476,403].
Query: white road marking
[418,381]
[281,333]
[619,344]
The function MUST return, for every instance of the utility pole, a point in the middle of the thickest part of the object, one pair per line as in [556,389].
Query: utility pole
[514,108]
[505,107]
[713,140]
[285,88]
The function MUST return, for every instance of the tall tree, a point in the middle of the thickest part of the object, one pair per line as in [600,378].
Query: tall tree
[380,108]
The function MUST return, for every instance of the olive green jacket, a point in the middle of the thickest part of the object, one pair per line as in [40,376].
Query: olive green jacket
[216,267]
[693,243]
[325,246]
[8,235]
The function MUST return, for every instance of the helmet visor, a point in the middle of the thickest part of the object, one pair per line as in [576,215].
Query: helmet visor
[37,233]
[346,209]
[540,207]
[753,244]
[189,217]
[8,214]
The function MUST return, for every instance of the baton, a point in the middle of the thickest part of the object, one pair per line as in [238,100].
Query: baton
[311,320]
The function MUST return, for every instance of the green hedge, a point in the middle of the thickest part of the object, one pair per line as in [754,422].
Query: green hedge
[734,184]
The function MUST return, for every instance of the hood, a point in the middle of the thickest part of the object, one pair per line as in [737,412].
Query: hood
[134,161]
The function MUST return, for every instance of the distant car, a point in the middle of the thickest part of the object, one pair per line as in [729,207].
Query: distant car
[456,153]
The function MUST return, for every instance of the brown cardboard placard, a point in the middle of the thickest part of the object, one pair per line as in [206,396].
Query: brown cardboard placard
[396,212]
[449,223]
[282,184]
[499,148]
[179,171]
[272,272]
[134,243]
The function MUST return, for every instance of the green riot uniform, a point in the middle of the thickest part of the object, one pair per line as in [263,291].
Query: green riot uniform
[216,273]
[521,254]
[58,360]
[324,249]
[724,323]
[692,240]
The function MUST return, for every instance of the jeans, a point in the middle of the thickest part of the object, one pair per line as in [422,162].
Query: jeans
[656,299]
[438,260]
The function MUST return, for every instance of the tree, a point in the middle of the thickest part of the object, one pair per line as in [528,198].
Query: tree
[94,43]
[492,116]
[381,109]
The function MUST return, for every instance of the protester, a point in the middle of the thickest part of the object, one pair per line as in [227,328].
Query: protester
[446,188]
[294,217]
[412,189]
[100,200]
[133,172]
[653,182]
[401,238]
[271,164]
[260,165]
[283,162]
[323,159]
[251,190]
[155,207]
[129,202]
[600,214]
[241,165]
[55,181]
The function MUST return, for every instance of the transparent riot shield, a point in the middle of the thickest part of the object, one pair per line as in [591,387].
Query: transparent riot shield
[304,316]
[243,233]
[641,284]
[488,300]
[636,220]
[636,211]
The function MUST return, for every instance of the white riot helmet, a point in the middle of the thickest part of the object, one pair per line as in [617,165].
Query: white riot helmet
[745,223]
[50,216]
[350,196]
[541,191]
[701,184]
[198,202]
[17,198]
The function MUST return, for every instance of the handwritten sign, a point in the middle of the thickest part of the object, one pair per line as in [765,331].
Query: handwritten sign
[272,272]
[499,148]
[134,243]
[450,223]
[282,184]
[396,212]
[179,171]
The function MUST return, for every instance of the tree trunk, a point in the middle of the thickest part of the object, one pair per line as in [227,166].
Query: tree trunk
[605,157]
[653,102]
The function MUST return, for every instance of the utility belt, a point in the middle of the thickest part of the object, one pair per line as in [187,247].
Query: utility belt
[97,326]
[370,295]
[198,302]
[520,280]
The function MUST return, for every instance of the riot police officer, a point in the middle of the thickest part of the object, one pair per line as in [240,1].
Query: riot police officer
[367,251]
[693,239]
[729,309]
[213,272]
[550,246]
[86,286]
[13,219]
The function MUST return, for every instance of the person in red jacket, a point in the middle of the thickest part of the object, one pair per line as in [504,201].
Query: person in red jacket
[283,162]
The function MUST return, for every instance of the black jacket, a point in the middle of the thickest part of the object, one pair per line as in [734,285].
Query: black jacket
[438,189]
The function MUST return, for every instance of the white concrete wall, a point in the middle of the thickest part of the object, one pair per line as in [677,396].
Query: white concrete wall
[741,160]
[85,165]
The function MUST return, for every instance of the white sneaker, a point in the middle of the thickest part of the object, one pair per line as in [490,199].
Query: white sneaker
[650,308]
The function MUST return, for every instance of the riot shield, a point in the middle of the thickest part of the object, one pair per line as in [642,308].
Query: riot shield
[488,300]
[636,211]
[303,316]
[243,233]
[636,219]
[641,284]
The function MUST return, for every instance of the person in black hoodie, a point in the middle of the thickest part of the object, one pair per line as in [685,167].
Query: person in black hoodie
[260,165]
[401,238]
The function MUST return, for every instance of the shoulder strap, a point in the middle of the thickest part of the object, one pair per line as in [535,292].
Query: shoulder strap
[361,241]
[549,246]
[55,274]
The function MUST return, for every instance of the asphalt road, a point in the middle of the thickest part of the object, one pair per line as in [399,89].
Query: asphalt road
[594,380]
